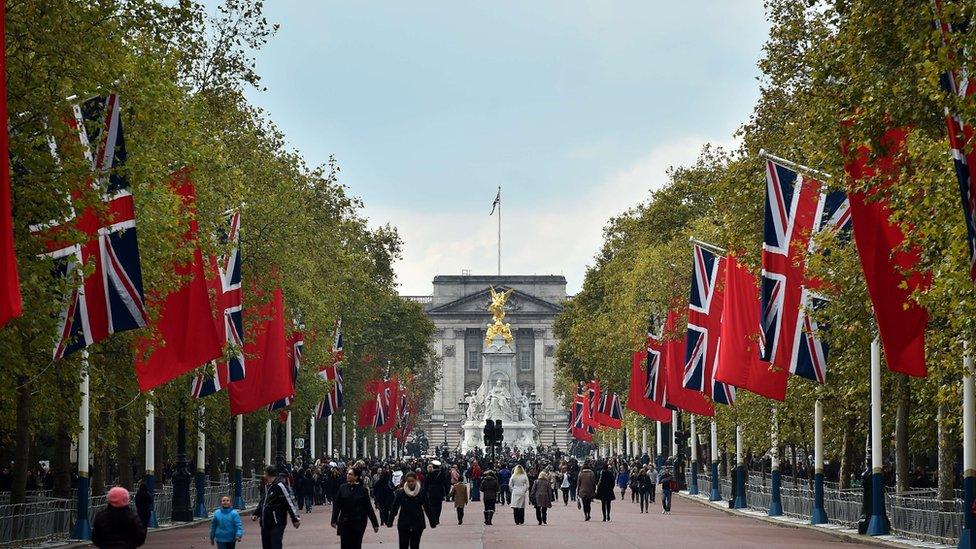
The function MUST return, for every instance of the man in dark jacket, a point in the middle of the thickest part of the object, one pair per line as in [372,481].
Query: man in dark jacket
[117,526]
[276,502]
[438,484]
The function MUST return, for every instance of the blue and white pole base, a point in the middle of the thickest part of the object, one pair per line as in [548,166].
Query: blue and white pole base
[716,493]
[776,497]
[740,487]
[200,509]
[969,521]
[693,485]
[819,515]
[151,485]
[82,528]
[238,489]
[878,526]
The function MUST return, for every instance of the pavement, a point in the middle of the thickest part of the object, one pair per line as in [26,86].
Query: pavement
[690,524]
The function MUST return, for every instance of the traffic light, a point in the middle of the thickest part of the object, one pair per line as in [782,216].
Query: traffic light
[489,433]
[499,432]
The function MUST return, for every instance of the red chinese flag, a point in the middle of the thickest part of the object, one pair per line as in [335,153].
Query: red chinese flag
[901,321]
[636,399]
[738,356]
[10,303]
[187,336]
[674,363]
[267,375]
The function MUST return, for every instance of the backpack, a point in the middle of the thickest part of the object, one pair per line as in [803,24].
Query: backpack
[673,485]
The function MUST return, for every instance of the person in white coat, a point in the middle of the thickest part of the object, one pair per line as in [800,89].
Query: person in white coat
[519,484]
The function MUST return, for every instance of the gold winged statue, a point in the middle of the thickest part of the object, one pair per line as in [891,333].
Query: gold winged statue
[497,309]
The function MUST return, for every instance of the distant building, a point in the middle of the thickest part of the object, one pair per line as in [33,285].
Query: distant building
[458,309]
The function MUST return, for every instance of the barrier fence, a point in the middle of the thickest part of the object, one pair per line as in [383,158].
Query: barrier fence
[44,519]
[916,514]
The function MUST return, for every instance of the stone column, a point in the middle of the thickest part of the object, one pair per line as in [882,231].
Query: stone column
[542,388]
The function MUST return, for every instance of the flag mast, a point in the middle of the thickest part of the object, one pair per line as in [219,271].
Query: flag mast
[499,199]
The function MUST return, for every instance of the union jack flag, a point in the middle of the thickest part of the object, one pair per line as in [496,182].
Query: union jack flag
[297,345]
[577,427]
[796,211]
[382,406]
[333,399]
[228,285]
[654,386]
[704,321]
[960,139]
[610,413]
[111,299]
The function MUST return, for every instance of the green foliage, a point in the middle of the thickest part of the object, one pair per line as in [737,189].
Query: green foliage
[181,74]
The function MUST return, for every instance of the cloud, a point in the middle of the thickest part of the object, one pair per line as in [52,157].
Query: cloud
[557,237]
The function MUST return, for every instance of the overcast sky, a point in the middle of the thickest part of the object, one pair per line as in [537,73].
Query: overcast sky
[575,108]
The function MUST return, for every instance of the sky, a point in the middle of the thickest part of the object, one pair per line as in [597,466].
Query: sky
[575,108]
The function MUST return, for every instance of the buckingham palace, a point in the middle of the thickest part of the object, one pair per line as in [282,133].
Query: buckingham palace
[458,307]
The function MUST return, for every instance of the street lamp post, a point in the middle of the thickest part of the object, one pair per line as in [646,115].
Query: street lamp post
[445,437]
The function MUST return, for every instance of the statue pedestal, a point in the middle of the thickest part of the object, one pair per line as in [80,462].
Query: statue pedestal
[499,398]
[520,434]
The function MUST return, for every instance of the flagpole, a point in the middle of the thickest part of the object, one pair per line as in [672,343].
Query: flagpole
[151,458]
[793,165]
[819,515]
[499,230]
[82,528]
[200,509]
[693,485]
[715,493]
[239,461]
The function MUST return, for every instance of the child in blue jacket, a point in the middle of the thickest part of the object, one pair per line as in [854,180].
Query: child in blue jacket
[226,528]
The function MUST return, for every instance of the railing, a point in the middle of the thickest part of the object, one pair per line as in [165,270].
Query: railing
[915,514]
[35,522]
[44,519]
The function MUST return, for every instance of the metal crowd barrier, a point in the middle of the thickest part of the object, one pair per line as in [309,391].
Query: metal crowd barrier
[36,522]
[916,514]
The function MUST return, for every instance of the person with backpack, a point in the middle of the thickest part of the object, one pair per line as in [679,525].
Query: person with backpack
[275,506]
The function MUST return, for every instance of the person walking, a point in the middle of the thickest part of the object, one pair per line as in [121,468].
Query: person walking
[225,526]
[573,469]
[383,492]
[652,474]
[644,484]
[667,485]
[117,526]
[144,503]
[564,485]
[586,488]
[634,489]
[504,476]
[276,502]
[489,489]
[623,479]
[475,473]
[542,497]
[350,511]
[604,490]
[307,486]
[459,495]
[412,506]
[438,484]
[519,484]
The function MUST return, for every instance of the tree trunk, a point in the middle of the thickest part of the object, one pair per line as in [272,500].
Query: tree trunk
[100,472]
[847,458]
[904,396]
[124,449]
[796,464]
[23,445]
[62,460]
[946,453]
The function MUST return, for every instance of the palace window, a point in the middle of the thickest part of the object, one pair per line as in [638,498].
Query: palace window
[473,361]
[525,361]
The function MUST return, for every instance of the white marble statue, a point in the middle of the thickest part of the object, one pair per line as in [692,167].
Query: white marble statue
[498,404]
[526,410]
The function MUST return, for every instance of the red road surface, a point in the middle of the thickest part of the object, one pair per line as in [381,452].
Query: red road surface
[689,525]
